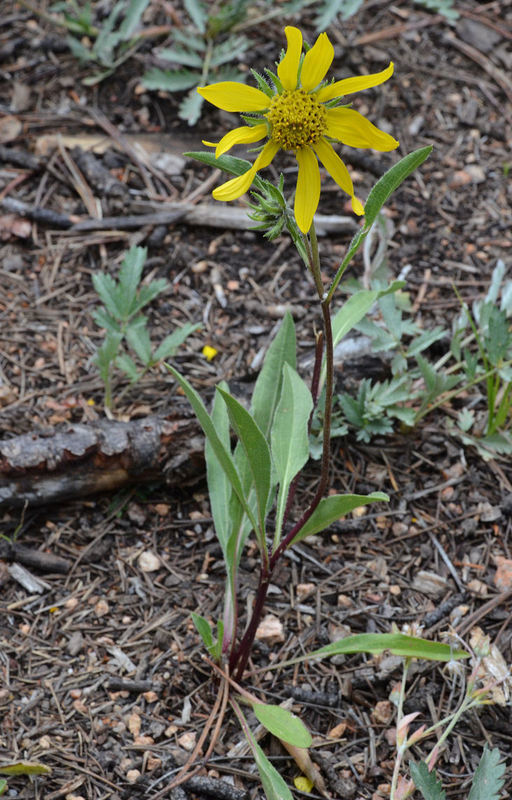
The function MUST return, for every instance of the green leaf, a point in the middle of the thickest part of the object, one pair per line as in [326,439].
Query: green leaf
[198,14]
[167,80]
[219,487]
[331,9]
[132,18]
[229,164]
[283,724]
[203,628]
[190,107]
[181,56]
[229,50]
[488,779]
[273,784]
[331,509]
[104,320]
[267,389]
[3,786]
[106,354]
[427,782]
[107,291]
[129,277]
[147,294]
[391,180]
[257,452]
[223,455]
[289,437]
[399,644]
[171,343]
[138,338]
[353,311]
[128,366]
[191,40]
[24,768]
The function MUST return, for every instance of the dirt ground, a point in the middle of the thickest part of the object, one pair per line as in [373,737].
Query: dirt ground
[101,676]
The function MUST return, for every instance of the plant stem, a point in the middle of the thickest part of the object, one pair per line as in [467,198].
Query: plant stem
[399,715]
[240,655]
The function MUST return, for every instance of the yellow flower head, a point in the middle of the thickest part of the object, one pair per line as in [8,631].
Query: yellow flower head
[300,115]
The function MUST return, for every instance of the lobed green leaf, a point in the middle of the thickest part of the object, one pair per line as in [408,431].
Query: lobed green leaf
[427,782]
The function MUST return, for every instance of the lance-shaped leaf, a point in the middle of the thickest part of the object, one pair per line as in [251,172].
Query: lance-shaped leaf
[257,453]
[224,457]
[289,437]
[274,786]
[267,389]
[20,767]
[399,644]
[283,724]
[331,509]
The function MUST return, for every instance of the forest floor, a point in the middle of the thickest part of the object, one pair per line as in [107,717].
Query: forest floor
[143,557]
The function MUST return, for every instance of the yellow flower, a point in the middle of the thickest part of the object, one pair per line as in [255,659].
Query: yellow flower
[209,352]
[300,115]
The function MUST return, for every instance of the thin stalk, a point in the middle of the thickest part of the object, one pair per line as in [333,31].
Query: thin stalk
[240,655]
[399,715]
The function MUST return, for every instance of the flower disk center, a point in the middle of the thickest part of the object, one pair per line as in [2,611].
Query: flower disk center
[296,119]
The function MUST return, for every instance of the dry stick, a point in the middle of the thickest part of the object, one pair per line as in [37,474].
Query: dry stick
[496,74]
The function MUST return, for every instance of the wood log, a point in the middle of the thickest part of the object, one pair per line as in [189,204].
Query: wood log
[83,459]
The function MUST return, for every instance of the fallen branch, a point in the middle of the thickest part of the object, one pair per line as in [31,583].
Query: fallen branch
[103,456]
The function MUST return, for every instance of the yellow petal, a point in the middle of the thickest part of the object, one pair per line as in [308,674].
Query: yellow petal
[334,165]
[233,96]
[243,135]
[354,130]
[356,84]
[288,68]
[307,193]
[357,207]
[238,186]
[316,62]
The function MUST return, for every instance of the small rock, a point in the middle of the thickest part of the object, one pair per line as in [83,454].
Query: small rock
[270,630]
[134,724]
[488,513]
[478,587]
[304,590]
[187,740]
[476,173]
[148,561]
[133,775]
[429,583]
[503,576]
[101,608]
[382,712]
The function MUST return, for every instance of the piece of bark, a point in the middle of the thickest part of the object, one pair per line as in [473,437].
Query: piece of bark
[80,459]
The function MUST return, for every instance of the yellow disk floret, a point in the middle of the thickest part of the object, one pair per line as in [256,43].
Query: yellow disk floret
[297,120]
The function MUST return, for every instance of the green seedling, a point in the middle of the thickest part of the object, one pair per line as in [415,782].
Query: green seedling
[126,328]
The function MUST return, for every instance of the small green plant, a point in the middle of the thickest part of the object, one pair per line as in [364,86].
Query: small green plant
[107,46]
[444,7]
[490,364]
[489,682]
[205,51]
[125,326]
[202,51]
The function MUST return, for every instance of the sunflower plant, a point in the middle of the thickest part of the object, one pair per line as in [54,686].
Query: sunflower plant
[254,485]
